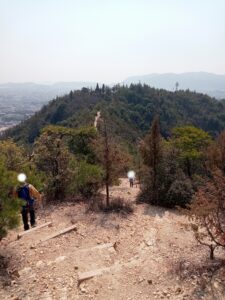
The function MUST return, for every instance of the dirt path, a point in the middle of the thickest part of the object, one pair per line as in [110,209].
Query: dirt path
[97,118]
[150,254]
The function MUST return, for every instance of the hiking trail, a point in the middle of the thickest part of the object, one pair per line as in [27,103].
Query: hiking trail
[80,255]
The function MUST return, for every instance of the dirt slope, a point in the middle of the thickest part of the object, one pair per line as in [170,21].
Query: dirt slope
[154,256]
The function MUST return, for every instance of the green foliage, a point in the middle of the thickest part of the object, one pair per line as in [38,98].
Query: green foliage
[163,181]
[190,143]
[52,157]
[12,154]
[9,207]
[13,160]
[151,150]
[87,180]
[66,157]
[180,192]
[131,110]
[78,140]
[81,144]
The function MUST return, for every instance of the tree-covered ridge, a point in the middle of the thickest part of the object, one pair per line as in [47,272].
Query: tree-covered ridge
[130,110]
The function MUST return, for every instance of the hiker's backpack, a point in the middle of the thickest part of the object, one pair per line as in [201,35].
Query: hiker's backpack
[23,192]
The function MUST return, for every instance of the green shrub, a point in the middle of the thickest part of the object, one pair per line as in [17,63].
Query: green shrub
[179,193]
[9,207]
[87,179]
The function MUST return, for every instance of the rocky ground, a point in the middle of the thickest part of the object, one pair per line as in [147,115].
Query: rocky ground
[150,254]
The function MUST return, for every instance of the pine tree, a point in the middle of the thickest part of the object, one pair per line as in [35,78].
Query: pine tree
[97,89]
[152,153]
[71,95]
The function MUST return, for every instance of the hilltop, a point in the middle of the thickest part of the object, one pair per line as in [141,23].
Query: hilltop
[129,111]
[18,101]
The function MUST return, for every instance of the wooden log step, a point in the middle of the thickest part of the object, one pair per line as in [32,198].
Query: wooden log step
[20,235]
[58,233]
[88,275]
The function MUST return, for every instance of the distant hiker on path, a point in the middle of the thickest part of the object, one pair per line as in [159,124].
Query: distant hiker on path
[131,177]
[29,194]
[131,182]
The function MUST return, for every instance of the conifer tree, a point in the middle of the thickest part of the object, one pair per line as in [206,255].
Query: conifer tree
[97,89]
[152,154]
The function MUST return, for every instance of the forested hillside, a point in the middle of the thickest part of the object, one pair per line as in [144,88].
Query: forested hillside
[130,111]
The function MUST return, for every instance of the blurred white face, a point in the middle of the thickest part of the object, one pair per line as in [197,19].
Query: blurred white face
[21,177]
[131,174]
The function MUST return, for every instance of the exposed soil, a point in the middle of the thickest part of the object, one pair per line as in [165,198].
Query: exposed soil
[154,256]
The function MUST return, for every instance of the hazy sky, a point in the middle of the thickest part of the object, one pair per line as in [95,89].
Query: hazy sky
[109,40]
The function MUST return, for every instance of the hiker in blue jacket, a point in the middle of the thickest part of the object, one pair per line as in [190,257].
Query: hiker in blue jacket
[29,194]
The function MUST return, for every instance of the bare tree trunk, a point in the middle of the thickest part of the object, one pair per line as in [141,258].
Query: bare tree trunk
[107,194]
[212,248]
[188,164]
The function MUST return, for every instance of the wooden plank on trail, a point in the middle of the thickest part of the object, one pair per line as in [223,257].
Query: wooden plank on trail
[61,232]
[88,275]
[116,267]
[97,272]
[20,235]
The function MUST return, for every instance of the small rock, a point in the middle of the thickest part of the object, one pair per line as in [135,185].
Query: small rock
[25,271]
[149,243]
[83,290]
[216,285]
[96,291]
[60,258]
[76,268]
[149,281]
[39,264]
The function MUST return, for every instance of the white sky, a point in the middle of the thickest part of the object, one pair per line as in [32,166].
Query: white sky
[109,40]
